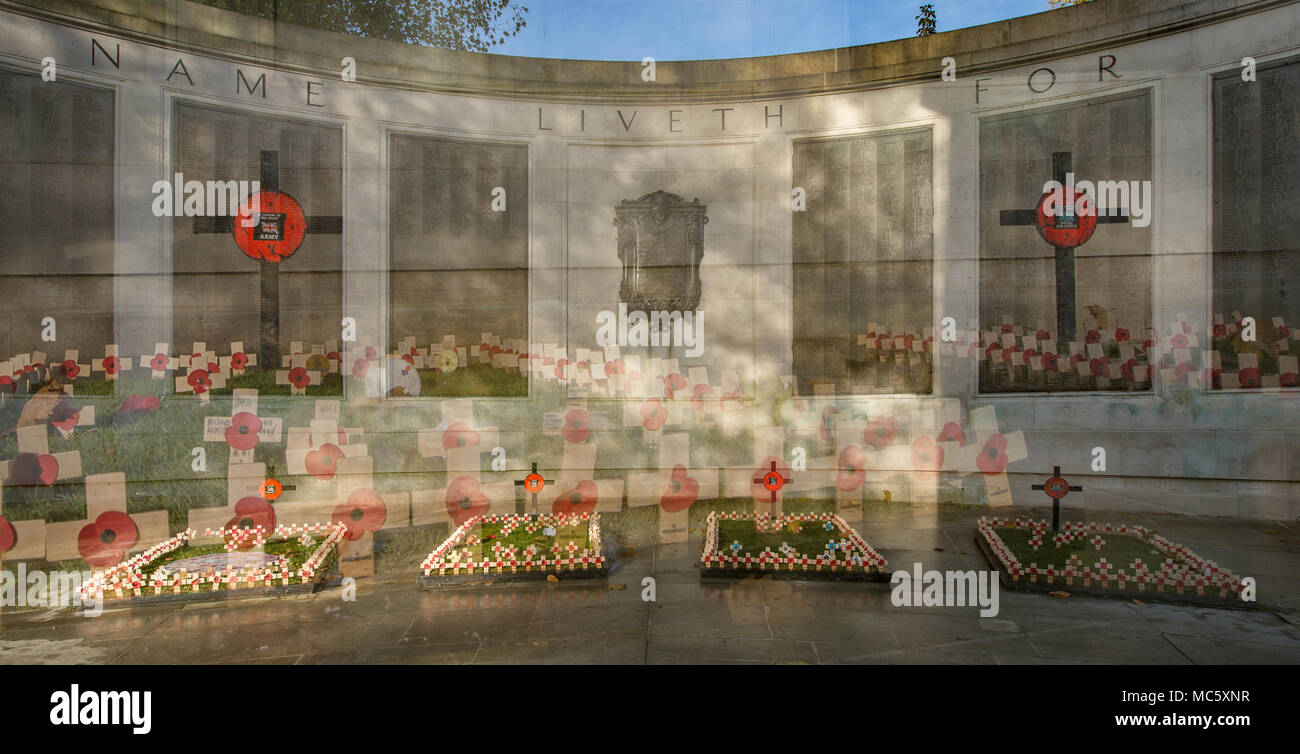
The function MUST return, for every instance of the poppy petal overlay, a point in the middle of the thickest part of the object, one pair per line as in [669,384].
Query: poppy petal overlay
[7,535]
[299,378]
[927,457]
[199,381]
[682,490]
[158,363]
[653,414]
[464,500]
[579,499]
[31,469]
[323,462]
[459,435]
[993,457]
[242,432]
[852,469]
[575,426]
[107,539]
[880,432]
[364,512]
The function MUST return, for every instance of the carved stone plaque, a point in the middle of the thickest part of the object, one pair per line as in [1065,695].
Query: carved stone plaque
[660,243]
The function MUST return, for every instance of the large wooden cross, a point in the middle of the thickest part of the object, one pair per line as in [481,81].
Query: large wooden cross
[1066,228]
[275,226]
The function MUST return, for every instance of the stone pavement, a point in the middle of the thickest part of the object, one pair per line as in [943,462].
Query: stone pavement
[757,620]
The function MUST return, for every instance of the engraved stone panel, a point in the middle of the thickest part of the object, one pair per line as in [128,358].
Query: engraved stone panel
[57,228]
[1256,167]
[457,266]
[216,287]
[1105,139]
[863,254]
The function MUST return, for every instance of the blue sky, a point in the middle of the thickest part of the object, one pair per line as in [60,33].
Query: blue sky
[699,29]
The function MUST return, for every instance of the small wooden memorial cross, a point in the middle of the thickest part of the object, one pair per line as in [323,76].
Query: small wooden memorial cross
[533,483]
[1056,488]
[773,481]
[1065,228]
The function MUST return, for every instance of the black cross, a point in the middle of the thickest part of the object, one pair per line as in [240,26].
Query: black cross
[269,180]
[1065,289]
[521,482]
[1056,500]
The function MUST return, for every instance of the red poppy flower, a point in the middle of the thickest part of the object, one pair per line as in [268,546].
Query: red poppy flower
[1220,330]
[1099,366]
[757,490]
[1006,353]
[926,456]
[682,491]
[1092,336]
[299,378]
[1029,354]
[112,364]
[1126,368]
[1049,361]
[1187,328]
[7,384]
[1248,377]
[1288,379]
[323,462]
[559,368]
[1043,335]
[459,435]
[1121,335]
[575,425]
[907,342]
[359,368]
[7,535]
[484,346]
[464,500]
[199,380]
[408,358]
[31,469]
[242,432]
[992,350]
[238,360]
[494,350]
[614,367]
[580,499]
[653,414]
[250,513]
[1008,328]
[334,356]
[105,541]
[159,362]
[698,393]
[880,432]
[951,432]
[1178,341]
[852,469]
[70,369]
[363,512]
[673,383]
[993,457]
[64,415]
[1214,377]
[371,352]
